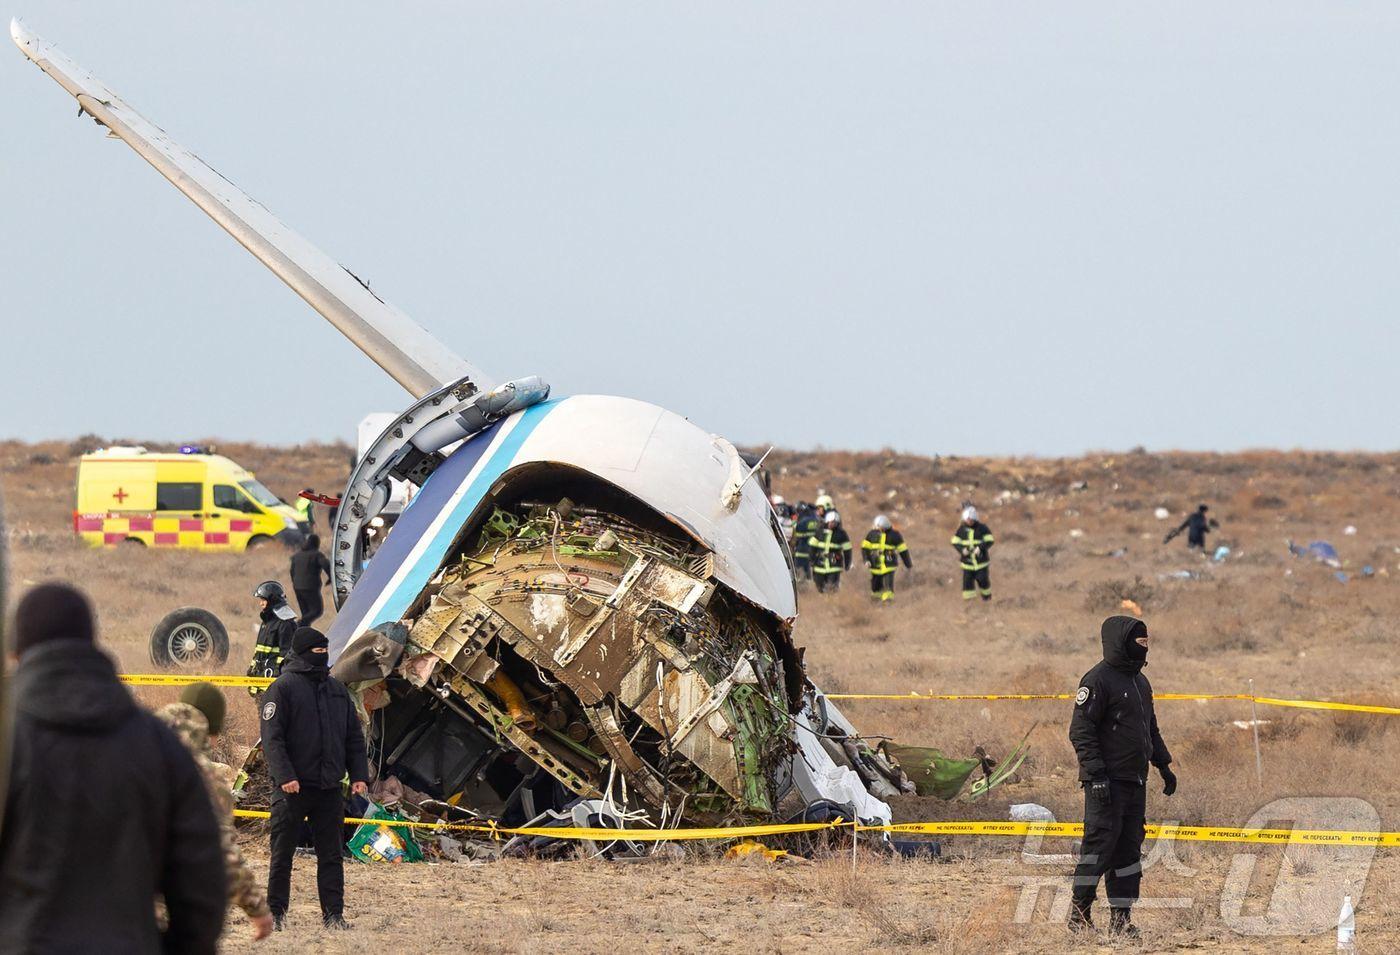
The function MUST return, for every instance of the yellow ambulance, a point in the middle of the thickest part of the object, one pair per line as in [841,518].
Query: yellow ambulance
[186,499]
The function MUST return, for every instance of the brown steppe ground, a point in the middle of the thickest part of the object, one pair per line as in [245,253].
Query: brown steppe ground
[1261,615]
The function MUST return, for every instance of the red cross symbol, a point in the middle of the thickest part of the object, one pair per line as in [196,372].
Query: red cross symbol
[121,495]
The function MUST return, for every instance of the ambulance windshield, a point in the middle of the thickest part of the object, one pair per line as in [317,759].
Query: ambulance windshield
[259,493]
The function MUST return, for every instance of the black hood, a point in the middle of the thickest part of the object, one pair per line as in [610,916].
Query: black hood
[1120,650]
[71,684]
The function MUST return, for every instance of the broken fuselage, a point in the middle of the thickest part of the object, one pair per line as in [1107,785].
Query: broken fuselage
[608,616]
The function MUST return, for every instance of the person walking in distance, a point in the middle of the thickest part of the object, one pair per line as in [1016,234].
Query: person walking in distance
[312,739]
[883,549]
[831,553]
[1196,526]
[305,514]
[973,541]
[804,528]
[1115,737]
[309,566]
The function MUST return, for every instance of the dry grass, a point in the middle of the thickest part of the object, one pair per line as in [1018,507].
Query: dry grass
[1288,625]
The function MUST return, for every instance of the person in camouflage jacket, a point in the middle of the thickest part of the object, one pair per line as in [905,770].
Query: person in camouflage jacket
[192,728]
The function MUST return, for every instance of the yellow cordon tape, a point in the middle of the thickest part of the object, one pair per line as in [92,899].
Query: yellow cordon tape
[598,835]
[1261,700]
[173,679]
[1332,837]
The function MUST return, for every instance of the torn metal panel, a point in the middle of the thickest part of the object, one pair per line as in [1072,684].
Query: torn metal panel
[615,742]
[551,762]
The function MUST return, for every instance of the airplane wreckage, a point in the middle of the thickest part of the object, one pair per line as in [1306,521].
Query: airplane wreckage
[584,614]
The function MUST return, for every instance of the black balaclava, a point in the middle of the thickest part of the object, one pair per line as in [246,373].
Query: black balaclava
[305,642]
[1120,647]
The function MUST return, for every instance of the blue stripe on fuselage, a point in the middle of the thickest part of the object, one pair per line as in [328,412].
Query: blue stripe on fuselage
[417,520]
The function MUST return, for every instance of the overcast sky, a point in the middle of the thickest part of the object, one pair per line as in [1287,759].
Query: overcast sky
[945,228]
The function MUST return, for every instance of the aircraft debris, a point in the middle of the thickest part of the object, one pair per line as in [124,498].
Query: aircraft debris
[748,850]
[1320,551]
[585,610]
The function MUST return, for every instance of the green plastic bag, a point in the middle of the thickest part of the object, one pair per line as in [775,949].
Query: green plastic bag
[379,843]
[932,773]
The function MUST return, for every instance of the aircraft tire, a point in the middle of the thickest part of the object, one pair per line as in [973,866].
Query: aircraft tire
[189,639]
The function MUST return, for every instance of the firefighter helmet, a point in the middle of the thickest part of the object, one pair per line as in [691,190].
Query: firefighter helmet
[270,590]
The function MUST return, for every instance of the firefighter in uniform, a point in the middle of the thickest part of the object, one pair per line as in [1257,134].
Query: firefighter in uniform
[1115,737]
[803,529]
[312,739]
[883,549]
[831,553]
[274,640]
[972,540]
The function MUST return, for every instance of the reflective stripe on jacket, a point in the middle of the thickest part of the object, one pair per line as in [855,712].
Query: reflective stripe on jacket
[802,533]
[883,550]
[831,551]
[972,542]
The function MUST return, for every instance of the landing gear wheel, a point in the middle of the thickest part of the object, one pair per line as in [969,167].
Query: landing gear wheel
[189,639]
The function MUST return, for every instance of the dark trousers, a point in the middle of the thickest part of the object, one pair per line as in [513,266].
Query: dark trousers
[977,583]
[324,810]
[1112,847]
[882,585]
[802,563]
[310,603]
[828,582]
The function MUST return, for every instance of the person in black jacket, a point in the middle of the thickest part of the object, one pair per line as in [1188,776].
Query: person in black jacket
[1197,526]
[274,642]
[308,566]
[105,809]
[311,739]
[1115,736]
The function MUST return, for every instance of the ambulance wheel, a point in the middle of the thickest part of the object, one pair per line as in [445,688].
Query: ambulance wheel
[189,639]
[255,543]
[133,542]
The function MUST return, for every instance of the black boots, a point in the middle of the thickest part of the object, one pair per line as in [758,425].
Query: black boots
[1120,922]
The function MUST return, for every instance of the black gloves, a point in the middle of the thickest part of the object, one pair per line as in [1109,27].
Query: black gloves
[1100,792]
[1168,779]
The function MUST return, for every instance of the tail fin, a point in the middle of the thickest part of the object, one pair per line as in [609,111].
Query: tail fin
[414,358]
